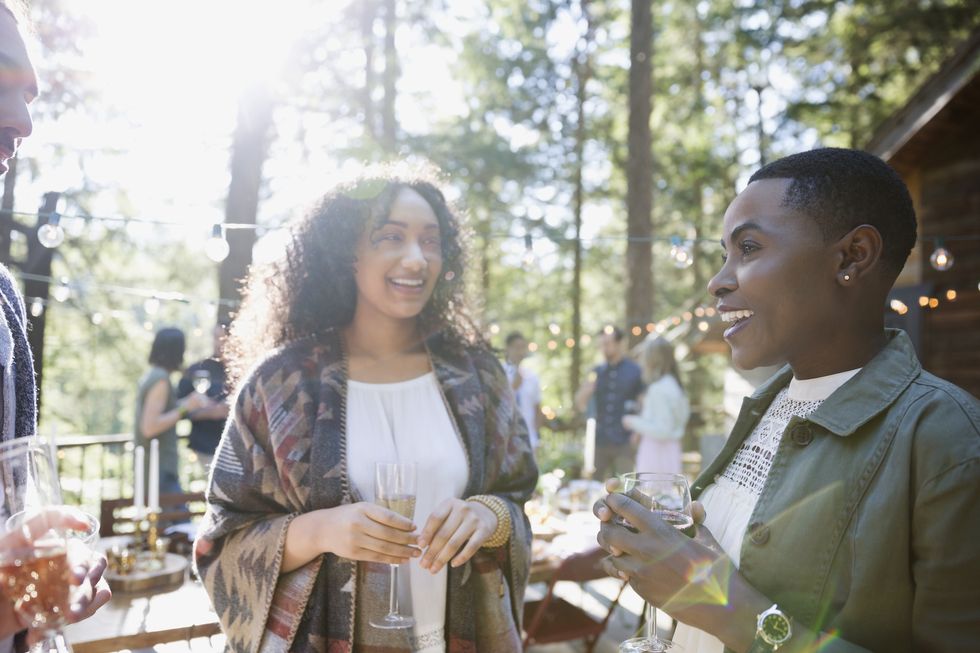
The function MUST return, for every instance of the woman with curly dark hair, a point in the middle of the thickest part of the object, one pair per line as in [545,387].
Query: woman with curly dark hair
[359,350]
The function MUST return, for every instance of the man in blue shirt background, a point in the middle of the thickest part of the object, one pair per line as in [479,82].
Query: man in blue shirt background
[614,388]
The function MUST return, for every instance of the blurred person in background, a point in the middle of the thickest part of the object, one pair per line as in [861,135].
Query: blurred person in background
[659,427]
[158,409]
[614,389]
[524,383]
[207,376]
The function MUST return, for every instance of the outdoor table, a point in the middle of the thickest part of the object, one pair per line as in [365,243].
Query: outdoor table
[133,620]
[140,620]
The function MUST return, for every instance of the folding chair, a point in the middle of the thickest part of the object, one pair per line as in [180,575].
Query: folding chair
[553,619]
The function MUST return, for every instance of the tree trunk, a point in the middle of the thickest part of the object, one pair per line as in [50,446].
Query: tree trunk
[582,73]
[389,128]
[639,171]
[249,150]
[368,15]
[39,263]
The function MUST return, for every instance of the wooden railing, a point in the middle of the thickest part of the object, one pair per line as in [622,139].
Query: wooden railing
[97,467]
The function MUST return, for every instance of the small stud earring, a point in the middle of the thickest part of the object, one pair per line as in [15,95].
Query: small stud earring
[449,276]
[847,277]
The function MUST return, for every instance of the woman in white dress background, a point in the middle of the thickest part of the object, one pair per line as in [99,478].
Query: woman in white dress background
[660,425]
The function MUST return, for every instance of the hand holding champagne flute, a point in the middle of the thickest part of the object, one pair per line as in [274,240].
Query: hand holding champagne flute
[395,489]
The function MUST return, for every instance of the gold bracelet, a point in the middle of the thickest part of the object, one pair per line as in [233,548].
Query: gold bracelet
[501,535]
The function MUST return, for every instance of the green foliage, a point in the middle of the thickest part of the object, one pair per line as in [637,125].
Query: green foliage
[827,71]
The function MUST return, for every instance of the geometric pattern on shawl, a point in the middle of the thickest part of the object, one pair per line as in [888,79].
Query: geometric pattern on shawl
[284,453]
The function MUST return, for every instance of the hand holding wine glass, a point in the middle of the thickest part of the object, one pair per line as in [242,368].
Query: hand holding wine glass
[665,566]
[394,489]
[667,496]
[36,558]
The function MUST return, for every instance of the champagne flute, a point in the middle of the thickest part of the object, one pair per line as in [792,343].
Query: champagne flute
[394,489]
[34,556]
[669,497]
[201,380]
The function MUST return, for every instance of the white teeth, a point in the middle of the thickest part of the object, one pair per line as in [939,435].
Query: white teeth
[414,283]
[735,316]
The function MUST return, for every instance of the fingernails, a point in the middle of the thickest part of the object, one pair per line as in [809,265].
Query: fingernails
[623,575]
[416,553]
[423,543]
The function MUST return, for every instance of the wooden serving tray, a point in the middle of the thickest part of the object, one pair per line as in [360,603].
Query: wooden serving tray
[170,575]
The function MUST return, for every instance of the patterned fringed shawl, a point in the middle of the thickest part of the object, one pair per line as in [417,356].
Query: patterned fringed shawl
[284,453]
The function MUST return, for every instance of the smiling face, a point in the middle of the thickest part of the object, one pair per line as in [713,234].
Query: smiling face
[18,88]
[778,284]
[399,260]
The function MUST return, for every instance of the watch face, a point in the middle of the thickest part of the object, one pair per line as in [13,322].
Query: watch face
[776,628]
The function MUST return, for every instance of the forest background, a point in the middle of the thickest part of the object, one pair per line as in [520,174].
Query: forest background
[593,146]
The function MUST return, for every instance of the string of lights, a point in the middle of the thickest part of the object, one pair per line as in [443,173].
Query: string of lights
[64,288]
[51,234]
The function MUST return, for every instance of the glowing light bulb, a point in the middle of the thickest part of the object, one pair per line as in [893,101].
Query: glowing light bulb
[702,326]
[37,307]
[62,292]
[681,254]
[941,258]
[151,306]
[97,318]
[554,328]
[494,329]
[217,248]
[898,306]
[51,234]
[951,295]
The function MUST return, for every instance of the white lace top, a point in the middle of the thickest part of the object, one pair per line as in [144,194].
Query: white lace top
[730,501]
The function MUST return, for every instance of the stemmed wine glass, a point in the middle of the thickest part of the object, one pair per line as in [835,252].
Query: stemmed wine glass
[35,566]
[201,380]
[394,489]
[669,497]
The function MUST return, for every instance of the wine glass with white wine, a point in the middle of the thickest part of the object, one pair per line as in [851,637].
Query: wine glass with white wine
[394,489]
[201,380]
[669,497]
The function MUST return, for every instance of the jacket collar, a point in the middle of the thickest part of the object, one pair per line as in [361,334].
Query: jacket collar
[866,394]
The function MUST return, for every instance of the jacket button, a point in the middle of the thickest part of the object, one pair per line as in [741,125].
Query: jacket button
[758,533]
[802,435]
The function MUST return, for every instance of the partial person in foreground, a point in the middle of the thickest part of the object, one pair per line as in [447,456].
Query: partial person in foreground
[843,513]
[359,351]
[18,389]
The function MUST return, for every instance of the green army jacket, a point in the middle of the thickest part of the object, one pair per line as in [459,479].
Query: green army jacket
[868,527]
